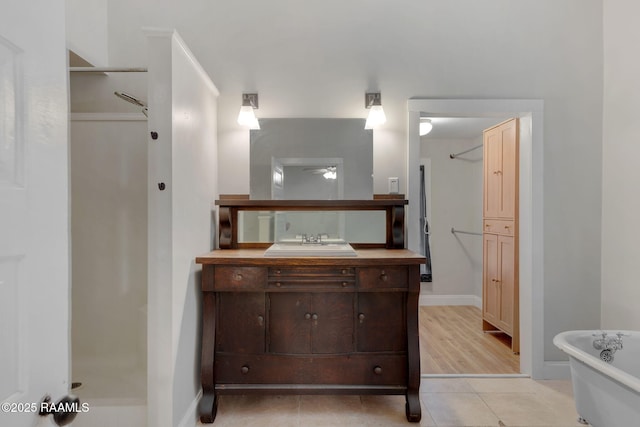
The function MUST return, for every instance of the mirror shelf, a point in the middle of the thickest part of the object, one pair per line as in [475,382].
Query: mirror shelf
[247,223]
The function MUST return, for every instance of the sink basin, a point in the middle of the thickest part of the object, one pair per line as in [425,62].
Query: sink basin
[299,249]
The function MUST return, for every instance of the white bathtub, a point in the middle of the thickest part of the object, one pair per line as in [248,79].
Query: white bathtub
[606,394]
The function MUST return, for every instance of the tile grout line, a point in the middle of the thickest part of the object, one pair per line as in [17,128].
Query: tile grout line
[500,423]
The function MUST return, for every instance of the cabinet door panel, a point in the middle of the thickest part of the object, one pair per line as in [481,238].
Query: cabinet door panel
[501,159]
[506,252]
[290,323]
[332,323]
[509,175]
[492,170]
[241,322]
[490,304]
[381,320]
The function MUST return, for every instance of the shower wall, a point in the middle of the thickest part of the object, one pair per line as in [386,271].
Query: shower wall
[108,157]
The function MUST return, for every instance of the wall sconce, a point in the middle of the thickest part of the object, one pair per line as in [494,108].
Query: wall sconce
[247,117]
[425,126]
[372,101]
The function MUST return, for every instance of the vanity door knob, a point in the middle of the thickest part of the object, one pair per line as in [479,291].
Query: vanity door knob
[344,284]
[383,276]
[278,284]
[244,370]
[377,370]
[361,317]
[238,276]
[314,317]
[307,316]
[345,271]
[260,320]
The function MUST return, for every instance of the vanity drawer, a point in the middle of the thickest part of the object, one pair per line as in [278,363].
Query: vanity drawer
[239,278]
[333,370]
[383,277]
[315,272]
[499,226]
[311,284]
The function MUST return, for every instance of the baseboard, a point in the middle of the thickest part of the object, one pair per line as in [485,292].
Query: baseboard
[427,300]
[556,370]
[190,418]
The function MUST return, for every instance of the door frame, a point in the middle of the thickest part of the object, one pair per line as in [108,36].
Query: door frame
[531,248]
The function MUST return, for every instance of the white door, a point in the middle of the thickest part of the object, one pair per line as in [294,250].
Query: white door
[34,220]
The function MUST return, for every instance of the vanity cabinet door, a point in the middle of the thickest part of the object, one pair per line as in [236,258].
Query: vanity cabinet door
[381,322]
[311,323]
[332,328]
[240,322]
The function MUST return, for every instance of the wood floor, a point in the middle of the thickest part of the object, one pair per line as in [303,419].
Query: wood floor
[452,342]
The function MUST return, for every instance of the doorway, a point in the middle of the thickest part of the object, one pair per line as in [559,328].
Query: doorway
[530,228]
[451,311]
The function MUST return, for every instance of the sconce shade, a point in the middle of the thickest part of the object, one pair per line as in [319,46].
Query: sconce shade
[247,117]
[425,126]
[376,116]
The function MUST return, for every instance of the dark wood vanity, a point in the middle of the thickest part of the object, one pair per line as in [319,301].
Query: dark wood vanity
[310,325]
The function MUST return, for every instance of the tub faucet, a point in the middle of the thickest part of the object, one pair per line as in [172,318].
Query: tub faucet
[608,345]
[608,342]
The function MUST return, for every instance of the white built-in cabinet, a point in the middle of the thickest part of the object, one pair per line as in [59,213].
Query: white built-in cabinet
[500,231]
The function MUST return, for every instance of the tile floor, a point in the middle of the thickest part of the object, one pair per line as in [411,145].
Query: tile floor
[451,402]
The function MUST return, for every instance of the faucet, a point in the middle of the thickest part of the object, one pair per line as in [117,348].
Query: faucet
[608,345]
[313,239]
[608,342]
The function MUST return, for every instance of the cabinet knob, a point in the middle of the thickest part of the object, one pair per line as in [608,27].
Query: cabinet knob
[361,317]
[383,276]
[307,316]
[377,370]
[244,370]
[314,317]
[260,320]
[344,284]
[278,271]
[345,271]
[238,276]
[278,284]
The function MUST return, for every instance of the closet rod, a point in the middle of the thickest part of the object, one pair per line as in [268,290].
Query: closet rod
[107,70]
[453,156]
[454,231]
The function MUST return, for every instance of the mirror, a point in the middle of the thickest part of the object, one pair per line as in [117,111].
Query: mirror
[311,158]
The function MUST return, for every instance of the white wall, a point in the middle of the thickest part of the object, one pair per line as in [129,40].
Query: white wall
[621,174]
[317,59]
[109,244]
[86,25]
[183,110]
[455,201]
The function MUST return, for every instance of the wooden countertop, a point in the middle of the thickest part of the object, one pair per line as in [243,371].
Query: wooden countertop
[365,257]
